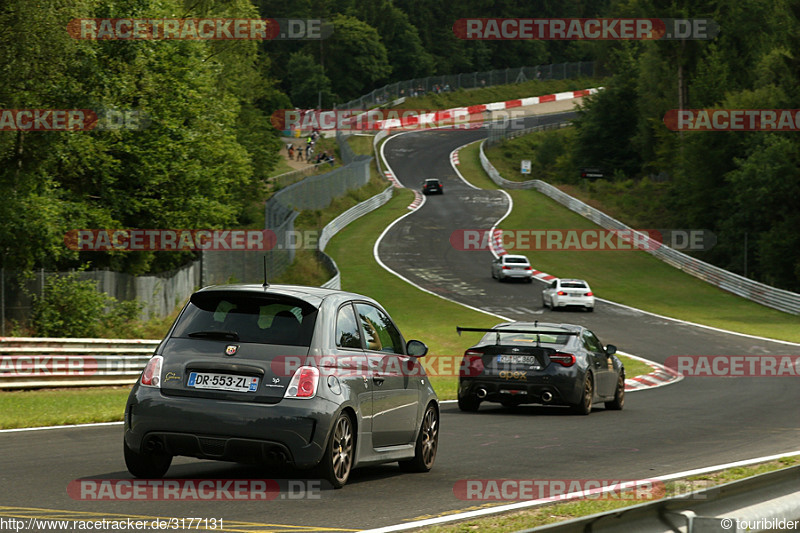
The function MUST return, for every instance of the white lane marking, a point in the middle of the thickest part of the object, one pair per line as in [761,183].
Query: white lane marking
[703,326]
[538,503]
[390,226]
[94,424]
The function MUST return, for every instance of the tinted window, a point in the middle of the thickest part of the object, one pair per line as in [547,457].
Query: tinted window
[517,260]
[379,332]
[573,285]
[247,318]
[347,333]
[591,342]
[526,339]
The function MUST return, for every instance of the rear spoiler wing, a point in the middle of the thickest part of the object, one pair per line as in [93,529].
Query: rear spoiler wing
[537,332]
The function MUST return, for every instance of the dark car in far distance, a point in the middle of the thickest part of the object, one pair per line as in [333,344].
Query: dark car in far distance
[432,186]
[304,376]
[551,364]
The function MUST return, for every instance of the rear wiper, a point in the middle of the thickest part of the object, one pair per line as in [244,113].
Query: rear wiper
[232,335]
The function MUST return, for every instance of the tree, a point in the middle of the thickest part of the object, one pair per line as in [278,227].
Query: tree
[359,58]
[308,82]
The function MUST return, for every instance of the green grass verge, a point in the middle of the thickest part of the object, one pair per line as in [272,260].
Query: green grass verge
[497,93]
[559,512]
[55,407]
[361,144]
[633,278]
[352,250]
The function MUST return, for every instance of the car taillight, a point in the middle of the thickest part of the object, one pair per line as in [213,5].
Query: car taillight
[563,359]
[528,268]
[561,293]
[590,293]
[151,375]
[471,365]
[303,383]
[506,267]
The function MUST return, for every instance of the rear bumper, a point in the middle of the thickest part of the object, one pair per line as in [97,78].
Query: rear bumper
[564,390]
[587,303]
[292,431]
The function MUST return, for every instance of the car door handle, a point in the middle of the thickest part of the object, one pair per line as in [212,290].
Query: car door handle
[378,380]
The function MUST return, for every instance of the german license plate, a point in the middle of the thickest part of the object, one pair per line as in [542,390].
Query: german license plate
[208,380]
[518,359]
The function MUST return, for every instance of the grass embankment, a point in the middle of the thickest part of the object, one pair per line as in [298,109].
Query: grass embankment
[632,278]
[498,93]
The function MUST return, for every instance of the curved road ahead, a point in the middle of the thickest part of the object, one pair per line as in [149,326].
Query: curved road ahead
[694,423]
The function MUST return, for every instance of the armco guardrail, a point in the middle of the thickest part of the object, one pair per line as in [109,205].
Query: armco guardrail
[758,503]
[56,362]
[338,223]
[761,293]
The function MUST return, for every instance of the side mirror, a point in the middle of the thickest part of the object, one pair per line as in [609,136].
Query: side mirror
[416,348]
[610,349]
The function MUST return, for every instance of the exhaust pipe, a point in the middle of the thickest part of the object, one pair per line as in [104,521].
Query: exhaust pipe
[481,393]
[547,396]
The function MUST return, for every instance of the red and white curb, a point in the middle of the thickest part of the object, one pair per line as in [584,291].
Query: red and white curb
[417,200]
[464,114]
[659,377]
[454,157]
[391,177]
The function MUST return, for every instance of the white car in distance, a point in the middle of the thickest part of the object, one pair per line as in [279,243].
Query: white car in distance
[512,267]
[563,293]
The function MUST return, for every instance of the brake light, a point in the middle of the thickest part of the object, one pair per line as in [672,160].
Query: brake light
[528,268]
[471,365]
[151,375]
[561,293]
[590,293]
[563,359]
[304,383]
[506,267]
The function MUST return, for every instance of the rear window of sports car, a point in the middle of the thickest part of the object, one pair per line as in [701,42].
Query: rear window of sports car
[525,339]
[247,318]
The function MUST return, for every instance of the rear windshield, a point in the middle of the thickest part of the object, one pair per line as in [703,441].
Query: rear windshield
[525,339]
[573,285]
[247,318]
[520,260]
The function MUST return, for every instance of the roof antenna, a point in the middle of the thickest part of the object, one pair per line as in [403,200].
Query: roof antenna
[266,283]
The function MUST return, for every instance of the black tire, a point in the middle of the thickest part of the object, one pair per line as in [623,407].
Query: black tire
[337,461]
[619,396]
[146,465]
[530,280]
[585,405]
[590,309]
[544,302]
[427,443]
[470,404]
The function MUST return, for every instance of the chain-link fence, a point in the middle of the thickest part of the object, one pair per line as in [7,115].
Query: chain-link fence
[159,293]
[314,192]
[473,80]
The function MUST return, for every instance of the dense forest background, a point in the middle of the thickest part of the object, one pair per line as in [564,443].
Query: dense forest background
[209,144]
